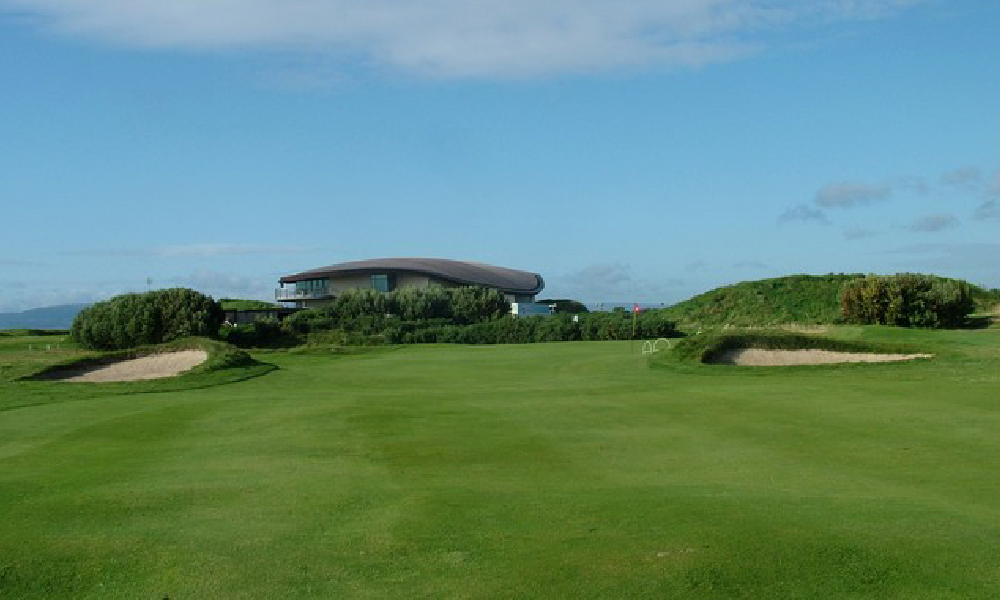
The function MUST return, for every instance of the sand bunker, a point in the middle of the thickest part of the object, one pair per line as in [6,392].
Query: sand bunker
[755,357]
[154,366]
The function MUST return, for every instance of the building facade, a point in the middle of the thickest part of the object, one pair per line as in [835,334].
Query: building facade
[316,287]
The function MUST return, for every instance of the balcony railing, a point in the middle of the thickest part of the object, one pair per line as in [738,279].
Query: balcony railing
[290,294]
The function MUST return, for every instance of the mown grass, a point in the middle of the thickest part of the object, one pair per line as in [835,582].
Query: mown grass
[561,470]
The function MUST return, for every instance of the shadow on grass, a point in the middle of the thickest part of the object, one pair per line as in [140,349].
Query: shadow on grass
[981,321]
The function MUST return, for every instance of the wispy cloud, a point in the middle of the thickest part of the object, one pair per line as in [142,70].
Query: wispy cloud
[970,177]
[226,285]
[848,194]
[14,262]
[603,282]
[987,210]
[192,250]
[805,213]
[858,233]
[993,190]
[933,223]
[457,37]
[20,295]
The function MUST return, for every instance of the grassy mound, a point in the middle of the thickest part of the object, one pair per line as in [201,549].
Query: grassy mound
[706,348]
[805,299]
[795,299]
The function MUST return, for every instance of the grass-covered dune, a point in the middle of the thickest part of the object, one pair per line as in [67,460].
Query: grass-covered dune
[804,299]
[560,470]
[794,299]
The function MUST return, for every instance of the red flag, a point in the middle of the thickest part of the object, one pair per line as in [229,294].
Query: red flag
[635,307]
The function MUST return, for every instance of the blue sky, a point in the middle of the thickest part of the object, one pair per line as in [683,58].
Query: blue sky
[627,150]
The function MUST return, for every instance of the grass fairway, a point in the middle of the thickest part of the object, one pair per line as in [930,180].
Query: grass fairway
[562,470]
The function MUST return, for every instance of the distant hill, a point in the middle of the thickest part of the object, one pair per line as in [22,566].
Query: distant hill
[801,299]
[51,317]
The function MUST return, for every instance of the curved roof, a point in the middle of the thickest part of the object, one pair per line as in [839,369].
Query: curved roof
[457,271]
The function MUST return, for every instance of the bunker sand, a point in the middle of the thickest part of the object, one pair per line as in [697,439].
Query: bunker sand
[154,366]
[755,357]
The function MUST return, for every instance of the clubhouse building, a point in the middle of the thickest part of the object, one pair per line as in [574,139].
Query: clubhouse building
[316,287]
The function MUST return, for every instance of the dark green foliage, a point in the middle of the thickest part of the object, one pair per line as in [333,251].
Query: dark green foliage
[468,315]
[155,317]
[412,303]
[357,303]
[556,328]
[239,304]
[907,300]
[566,306]
[474,304]
[266,332]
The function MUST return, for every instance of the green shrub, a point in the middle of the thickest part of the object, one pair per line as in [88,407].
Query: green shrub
[473,304]
[556,328]
[356,303]
[155,317]
[907,300]
[412,303]
[266,332]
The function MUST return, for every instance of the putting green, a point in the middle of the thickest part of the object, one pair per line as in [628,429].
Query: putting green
[563,470]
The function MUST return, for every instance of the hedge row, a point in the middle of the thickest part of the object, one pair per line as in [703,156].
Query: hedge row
[462,305]
[373,330]
[907,300]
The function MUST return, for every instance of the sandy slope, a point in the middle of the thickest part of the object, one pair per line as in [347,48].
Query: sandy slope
[146,367]
[761,358]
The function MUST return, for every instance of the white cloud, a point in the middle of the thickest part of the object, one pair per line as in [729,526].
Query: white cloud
[933,223]
[847,194]
[225,285]
[456,37]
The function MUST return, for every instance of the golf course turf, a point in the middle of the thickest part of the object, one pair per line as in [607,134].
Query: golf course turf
[559,470]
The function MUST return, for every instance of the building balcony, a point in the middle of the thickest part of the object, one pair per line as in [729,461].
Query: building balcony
[291,294]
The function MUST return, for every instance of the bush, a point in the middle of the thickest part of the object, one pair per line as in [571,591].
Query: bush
[907,300]
[266,332]
[132,320]
[473,304]
[412,303]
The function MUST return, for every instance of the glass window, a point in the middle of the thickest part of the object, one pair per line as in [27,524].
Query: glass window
[380,283]
[311,286]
